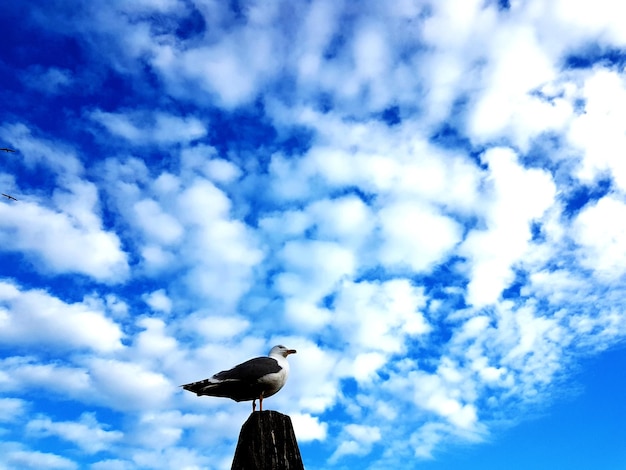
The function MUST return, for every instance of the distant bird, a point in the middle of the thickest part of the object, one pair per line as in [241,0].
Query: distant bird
[254,379]
[9,197]
[4,149]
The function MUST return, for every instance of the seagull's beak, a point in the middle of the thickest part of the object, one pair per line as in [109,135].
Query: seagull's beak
[290,351]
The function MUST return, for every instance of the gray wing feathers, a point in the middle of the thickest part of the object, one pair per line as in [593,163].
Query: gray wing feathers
[251,370]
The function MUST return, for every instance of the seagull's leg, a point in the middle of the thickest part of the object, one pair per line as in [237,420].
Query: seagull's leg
[261,401]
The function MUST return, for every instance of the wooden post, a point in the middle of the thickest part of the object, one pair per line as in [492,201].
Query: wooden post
[267,442]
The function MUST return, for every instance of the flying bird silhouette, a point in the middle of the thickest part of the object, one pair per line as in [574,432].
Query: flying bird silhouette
[254,379]
[4,149]
[9,197]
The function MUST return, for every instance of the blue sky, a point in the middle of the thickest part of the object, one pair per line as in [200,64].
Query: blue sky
[426,199]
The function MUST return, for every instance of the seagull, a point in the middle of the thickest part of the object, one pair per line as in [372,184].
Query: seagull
[9,197]
[260,378]
[4,149]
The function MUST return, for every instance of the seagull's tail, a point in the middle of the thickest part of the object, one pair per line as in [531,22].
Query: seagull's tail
[211,387]
[200,387]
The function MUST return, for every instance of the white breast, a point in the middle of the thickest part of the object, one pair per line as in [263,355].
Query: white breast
[274,382]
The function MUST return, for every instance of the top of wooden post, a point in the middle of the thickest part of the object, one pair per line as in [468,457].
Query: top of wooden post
[267,442]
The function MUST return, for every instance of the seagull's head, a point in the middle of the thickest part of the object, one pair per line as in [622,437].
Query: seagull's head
[281,350]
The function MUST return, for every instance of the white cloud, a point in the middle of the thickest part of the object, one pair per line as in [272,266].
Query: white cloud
[112,464]
[214,327]
[286,224]
[156,345]
[600,132]
[140,6]
[427,437]
[516,196]
[159,301]
[230,252]
[358,441]
[25,373]
[64,233]
[557,286]
[347,219]
[415,236]
[597,21]
[365,366]
[600,229]
[125,385]
[182,457]
[201,201]
[11,409]
[308,428]
[533,346]
[520,66]
[443,396]
[364,434]
[150,128]
[166,184]
[516,349]
[16,456]
[410,170]
[313,383]
[157,259]
[371,56]
[379,316]
[156,224]
[164,429]
[230,70]
[222,171]
[34,152]
[319,24]
[316,266]
[304,314]
[224,73]
[53,80]
[84,249]
[228,246]
[34,317]
[88,434]
[182,223]
[370,51]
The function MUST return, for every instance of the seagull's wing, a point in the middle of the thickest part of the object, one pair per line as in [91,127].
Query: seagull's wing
[250,371]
